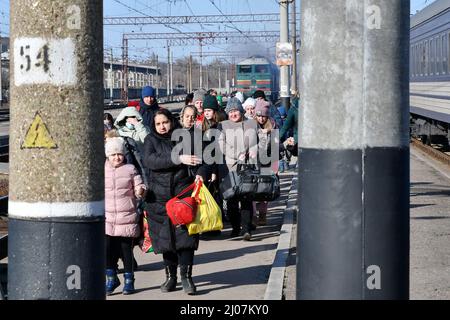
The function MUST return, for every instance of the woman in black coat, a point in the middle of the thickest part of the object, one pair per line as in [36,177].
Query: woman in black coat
[167,178]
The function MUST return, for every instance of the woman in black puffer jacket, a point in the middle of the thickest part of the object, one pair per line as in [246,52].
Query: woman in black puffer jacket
[166,180]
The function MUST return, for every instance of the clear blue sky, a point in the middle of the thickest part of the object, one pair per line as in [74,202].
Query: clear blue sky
[142,48]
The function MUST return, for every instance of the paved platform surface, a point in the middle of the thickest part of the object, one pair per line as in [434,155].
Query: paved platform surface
[225,268]
[429,232]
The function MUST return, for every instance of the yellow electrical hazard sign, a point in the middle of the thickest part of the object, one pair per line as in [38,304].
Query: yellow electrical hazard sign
[38,136]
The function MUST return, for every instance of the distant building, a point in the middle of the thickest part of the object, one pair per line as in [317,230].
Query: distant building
[139,75]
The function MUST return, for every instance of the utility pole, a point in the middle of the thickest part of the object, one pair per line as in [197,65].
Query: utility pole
[207,77]
[190,73]
[227,82]
[220,83]
[293,23]
[201,63]
[157,77]
[124,69]
[168,72]
[284,38]
[233,71]
[354,168]
[111,79]
[56,227]
[171,75]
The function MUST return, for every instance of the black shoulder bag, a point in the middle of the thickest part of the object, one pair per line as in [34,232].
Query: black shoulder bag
[247,183]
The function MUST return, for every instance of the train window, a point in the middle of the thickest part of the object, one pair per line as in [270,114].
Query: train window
[245,69]
[443,54]
[438,56]
[424,58]
[417,60]
[446,60]
[427,57]
[432,56]
[261,68]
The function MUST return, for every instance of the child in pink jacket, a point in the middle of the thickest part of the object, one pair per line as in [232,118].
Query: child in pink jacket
[123,186]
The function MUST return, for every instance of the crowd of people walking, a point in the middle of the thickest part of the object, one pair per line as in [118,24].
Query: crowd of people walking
[145,167]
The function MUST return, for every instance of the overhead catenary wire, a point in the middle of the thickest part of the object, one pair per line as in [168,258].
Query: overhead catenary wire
[135,10]
[234,26]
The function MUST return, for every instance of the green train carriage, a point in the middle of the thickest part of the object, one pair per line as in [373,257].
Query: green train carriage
[257,73]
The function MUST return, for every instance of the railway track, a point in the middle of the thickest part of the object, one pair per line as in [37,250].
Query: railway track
[433,152]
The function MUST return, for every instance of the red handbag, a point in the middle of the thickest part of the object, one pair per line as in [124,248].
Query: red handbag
[183,210]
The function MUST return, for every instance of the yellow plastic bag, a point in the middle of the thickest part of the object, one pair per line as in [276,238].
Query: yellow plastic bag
[209,216]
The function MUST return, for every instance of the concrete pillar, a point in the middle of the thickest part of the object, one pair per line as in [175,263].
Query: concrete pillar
[201,64]
[157,77]
[293,34]
[353,236]
[56,186]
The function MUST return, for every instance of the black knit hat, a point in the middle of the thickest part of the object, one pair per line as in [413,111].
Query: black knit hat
[259,94]
[210,102]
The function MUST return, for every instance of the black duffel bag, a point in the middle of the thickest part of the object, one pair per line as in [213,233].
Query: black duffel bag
[247,183]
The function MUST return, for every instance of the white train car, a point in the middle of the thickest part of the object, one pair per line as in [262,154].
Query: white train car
[430,73]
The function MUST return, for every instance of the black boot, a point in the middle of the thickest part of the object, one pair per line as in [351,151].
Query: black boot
[246,223]
[171,279]
[186,279]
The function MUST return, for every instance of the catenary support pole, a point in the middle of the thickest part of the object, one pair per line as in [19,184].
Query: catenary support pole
[168,72]
[293,33]
[201,64]
[220,81]
[171,75]
[190,73]
[284,70]
[111,79]
[353,235]
[157,77]
[56,189]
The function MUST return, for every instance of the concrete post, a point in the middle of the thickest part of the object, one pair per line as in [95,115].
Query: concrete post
[201,64]
[124,95]
[220,81]
[168,72]
[111,80]
[171,75]
[157,77]
[207,77]
[56,189]
[190,73]
[293,31]
[284,70]
[353,235]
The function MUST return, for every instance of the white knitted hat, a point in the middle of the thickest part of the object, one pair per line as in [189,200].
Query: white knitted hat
[114,145]
[249,102]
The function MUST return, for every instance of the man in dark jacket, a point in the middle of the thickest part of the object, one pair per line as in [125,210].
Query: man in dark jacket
[291,123]
[148,105]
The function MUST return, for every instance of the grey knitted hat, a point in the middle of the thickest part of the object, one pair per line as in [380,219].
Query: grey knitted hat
[234,104]
[199,95]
